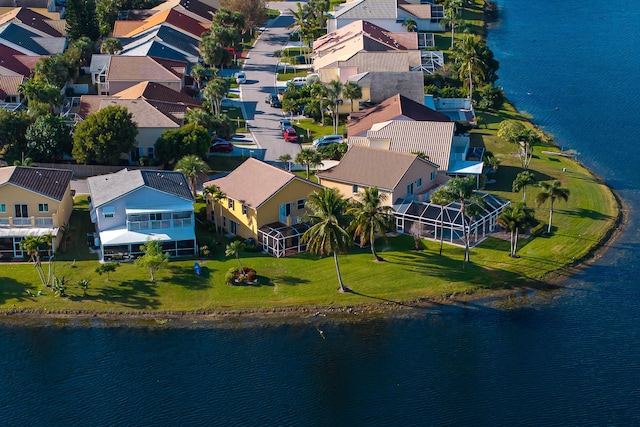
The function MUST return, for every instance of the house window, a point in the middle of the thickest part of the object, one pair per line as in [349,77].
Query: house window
[224,222]
[230,203]
[43,207]
[433,175]
[419,183]
[244,209]
[354,189]
[21,211]
[151,153]
[3,208]
[410,189]
[233,227]
[300,203]
[109,211]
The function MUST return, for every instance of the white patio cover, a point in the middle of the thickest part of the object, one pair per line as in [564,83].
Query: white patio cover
[125,237]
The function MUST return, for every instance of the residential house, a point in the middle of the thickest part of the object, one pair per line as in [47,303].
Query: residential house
[131,207]
[162,41]
[115,73]
[203,8]
[30,41]
[265,203]
[34,201]
[436,140]
[389,14]
[151,118]
[9,88]
[16,63]
[397,107]
[42,23]
[399,176]
[180,20]
[377,86]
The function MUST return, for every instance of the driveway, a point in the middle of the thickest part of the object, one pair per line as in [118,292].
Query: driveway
[260,68]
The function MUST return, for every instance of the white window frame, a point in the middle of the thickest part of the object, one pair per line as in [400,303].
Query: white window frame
[43,207]
[108,212]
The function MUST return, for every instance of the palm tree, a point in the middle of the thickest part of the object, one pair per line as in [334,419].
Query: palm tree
[515,218]
[214,92]
[327,234]
[462,191]
[370,217]
[523,179]
[308,158]
[334,92]
[111,46]
[319,94]
[199,74]
[32,245]
[451,18]
[467,53]
[551,192]
[233,249]
[352,91]
[411,25]
[201,117]
[192,166]
[285,158]
[215,194]
[26,161]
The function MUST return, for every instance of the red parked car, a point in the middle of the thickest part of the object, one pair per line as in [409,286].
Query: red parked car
[290,135]
[219,145]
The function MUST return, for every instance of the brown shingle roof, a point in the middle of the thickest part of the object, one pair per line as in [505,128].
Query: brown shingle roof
[17,62]
[143,113]
[356,29]
[371,167]
[50,183]
[151,91]
[204,9]
[254,182]
[420,11]
[135,68]
[391,109]
[33,20]
[173,17]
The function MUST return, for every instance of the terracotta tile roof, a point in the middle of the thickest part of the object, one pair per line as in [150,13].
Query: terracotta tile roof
[394,108]
[106,188]
[135,68]
[254,182]
[51,183]
[177,19]
[371,167]
[357,29]
[15,61]
[9,85]
[151,91]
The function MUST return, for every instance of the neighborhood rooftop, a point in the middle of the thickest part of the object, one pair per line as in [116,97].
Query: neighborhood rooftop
[51,183]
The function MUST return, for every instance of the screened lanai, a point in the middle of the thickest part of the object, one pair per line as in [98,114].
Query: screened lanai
[431,221]
[281,240]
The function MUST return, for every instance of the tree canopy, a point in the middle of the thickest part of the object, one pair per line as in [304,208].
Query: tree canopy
[174,144]
[49,138]
[104,136]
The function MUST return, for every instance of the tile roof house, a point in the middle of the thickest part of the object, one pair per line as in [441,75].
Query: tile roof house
[377,86]
[9,88]
[162,41]
[29,41]
[42,24]
[129,208]
[34,201]
[436,140]
[115,73]
[156,92]
[265,203]
[183,21]
[389,14]
[398,175]
[15,63]
[151,118]
[396,107]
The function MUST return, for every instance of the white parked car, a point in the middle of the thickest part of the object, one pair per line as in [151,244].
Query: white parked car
[299,81]
[327,140]
[241,78]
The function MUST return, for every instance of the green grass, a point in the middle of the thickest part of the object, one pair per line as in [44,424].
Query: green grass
[283,77]
[316,129]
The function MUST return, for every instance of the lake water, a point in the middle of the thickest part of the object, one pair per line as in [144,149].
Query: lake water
[568,357]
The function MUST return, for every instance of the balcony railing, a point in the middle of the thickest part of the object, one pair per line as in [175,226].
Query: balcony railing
[159,224]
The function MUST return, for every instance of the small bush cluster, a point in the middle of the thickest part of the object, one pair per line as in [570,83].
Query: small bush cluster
[236,276]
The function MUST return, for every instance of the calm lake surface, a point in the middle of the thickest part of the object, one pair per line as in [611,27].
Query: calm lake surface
[569,357]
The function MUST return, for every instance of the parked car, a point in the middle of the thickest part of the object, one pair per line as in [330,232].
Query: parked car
[272,99]
[285,124]
[241,78]
[301,59]
[290,135]
[299,81]
[219,145]
[327,140]
[276,103]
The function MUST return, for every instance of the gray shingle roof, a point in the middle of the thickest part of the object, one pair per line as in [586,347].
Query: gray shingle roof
[105,188]
[51,183]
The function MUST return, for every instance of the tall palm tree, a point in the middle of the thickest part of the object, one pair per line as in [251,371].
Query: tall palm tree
[334,93]
[523,179]
[215,194]
[328,234]
[462,191]
[352,91]
[214,92]
[451,19]
[467,53]
[514,219]
[26,161]
[192,166]
[199,74]
[32,245]
[308,158]
[111,46]
[411,25]
[319,93]
[370,217]
[233,249]
[551,192]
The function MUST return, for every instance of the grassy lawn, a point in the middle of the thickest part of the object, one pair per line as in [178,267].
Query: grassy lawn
[317,130]
[291,73]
